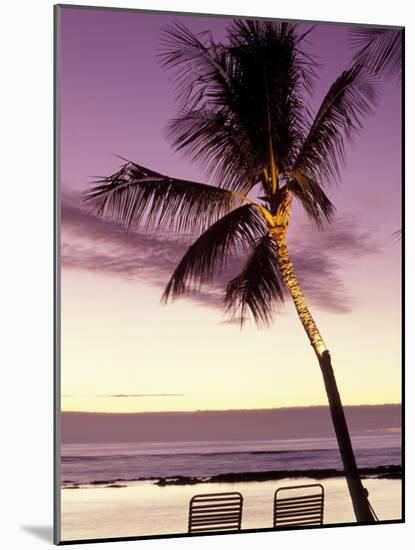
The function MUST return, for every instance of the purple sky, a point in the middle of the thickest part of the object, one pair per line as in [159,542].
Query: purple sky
[116,99]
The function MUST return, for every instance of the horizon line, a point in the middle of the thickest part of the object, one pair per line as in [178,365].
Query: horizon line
[228,410]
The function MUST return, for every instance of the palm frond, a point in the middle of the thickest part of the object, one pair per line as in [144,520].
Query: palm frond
[205,136]
[137,196]
[275,73]
[258,289]
[208,254]
[396,235]
[312,198]
[235,98]
[275,39]
[351,97]
[379,48]
[202,69]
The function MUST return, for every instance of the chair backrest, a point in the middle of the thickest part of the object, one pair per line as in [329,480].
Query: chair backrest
[299,505]
[215,512]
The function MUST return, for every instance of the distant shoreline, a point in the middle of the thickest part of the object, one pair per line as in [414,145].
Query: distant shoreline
[228,425]
[237,410]
[393,471]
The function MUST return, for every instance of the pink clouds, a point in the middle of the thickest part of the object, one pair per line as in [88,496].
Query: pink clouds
[91,244]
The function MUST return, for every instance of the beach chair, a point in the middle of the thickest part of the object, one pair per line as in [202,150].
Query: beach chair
[299,505]
[215,512]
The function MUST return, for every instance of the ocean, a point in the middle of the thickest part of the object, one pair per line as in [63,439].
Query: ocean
[134,474]
[108,463]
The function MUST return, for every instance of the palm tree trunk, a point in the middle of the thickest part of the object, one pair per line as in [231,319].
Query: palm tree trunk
[358,493]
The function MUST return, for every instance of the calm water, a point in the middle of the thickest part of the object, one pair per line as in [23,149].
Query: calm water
[84,463]
[142,508]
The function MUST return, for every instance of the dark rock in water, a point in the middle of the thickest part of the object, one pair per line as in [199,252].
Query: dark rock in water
[115,486]
[102,482]
[179,480]
[397,475]
[386,472]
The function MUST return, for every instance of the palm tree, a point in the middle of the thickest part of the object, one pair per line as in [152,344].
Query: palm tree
[243,116]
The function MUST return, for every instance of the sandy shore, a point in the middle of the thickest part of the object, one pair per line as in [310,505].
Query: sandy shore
[143,508]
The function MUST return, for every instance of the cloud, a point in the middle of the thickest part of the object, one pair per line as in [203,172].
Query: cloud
[345,237]
[318,256]
[91,244]
[125,395]
[94,245]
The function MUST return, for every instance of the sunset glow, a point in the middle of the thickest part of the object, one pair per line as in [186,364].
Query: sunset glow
[122,351]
